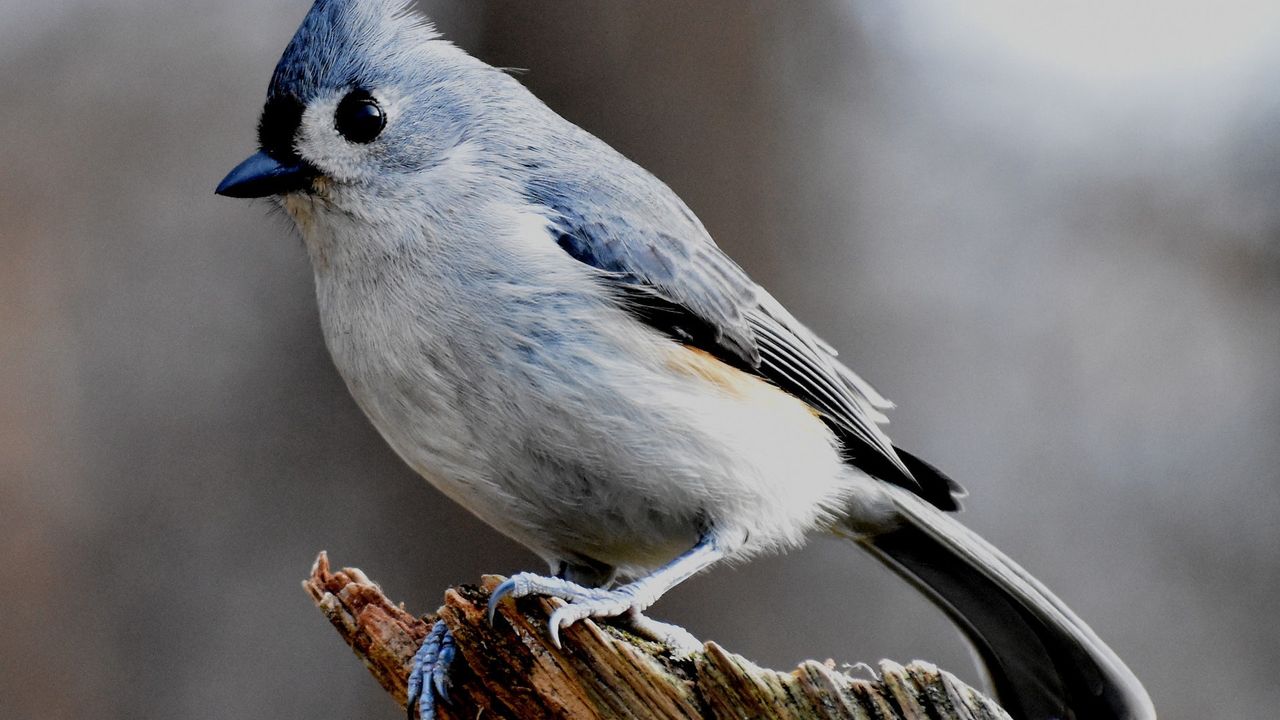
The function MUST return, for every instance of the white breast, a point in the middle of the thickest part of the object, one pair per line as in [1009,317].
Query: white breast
[504,375]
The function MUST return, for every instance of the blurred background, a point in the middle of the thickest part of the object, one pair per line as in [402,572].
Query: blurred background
[1050,233]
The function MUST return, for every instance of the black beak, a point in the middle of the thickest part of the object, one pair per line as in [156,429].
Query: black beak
[262,175]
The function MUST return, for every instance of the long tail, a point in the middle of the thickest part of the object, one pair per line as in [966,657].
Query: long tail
[1043,661]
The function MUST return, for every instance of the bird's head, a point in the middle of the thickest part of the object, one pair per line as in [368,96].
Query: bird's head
[366,103]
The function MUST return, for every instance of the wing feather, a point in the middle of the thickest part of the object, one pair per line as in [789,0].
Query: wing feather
[677,280]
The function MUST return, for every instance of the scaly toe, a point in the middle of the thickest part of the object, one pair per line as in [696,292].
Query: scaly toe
[681,642]
[429,679]
[526,584]
[564,617]
[440,672]
[583,602]
[601,604]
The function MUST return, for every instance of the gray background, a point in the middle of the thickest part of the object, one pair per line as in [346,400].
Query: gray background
[1050,235]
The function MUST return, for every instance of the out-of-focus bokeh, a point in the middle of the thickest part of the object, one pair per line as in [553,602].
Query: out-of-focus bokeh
[1049,231]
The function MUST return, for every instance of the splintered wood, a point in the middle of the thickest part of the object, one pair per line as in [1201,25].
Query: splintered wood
[511,670]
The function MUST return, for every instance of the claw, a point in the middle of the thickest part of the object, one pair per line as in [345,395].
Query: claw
[554,631]
[506,588]
[411,702]
[553,626]
[440,674]
[567,615]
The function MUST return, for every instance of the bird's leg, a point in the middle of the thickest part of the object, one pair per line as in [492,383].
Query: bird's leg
[595,575]
[429,679]
[630,599]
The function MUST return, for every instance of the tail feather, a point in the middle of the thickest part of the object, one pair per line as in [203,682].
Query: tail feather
[1044,662]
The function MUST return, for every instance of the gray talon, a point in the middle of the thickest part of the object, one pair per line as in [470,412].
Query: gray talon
[507,587]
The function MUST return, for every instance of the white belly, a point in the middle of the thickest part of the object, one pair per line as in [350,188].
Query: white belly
[560,420]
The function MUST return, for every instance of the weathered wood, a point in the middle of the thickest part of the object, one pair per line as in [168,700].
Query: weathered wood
[511,670]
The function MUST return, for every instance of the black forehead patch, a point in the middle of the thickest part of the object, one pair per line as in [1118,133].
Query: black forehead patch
[278,126]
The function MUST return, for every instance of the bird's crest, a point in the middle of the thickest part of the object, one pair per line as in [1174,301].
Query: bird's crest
[339,40]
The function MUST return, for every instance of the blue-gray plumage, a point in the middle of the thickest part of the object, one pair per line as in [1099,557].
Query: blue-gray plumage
[546,333]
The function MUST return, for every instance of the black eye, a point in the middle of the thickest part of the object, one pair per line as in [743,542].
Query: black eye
[359,117]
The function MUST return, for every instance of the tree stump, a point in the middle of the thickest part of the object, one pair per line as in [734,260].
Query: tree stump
[511,669]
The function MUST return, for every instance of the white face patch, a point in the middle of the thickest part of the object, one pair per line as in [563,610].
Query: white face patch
[320,143]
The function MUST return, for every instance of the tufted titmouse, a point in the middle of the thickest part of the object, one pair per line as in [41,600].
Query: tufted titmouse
[545,332]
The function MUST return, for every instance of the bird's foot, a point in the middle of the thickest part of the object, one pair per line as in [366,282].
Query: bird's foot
[429,679]
[630,599]
[583,602]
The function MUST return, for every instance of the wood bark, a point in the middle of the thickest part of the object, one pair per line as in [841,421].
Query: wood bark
[511,669]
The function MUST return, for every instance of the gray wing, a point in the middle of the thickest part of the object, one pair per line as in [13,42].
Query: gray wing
[676,279]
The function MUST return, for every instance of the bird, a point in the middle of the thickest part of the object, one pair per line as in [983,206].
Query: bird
[547,334]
